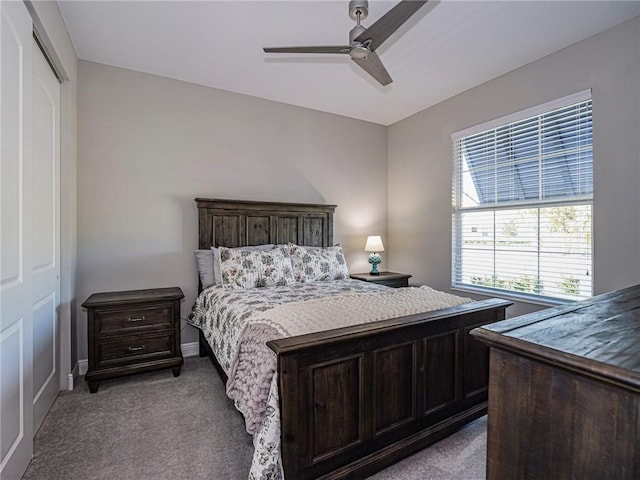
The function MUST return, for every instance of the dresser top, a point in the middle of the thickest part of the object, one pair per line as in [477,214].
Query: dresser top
[130,297]
[600,335]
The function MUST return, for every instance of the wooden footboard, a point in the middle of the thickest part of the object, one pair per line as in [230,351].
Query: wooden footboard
[357,399]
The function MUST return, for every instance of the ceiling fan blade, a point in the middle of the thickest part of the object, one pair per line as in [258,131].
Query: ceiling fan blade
[374,67]
[328,49]
[389,23]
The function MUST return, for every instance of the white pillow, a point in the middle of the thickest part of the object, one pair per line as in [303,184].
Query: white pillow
[217,277]
[242,268]
[205,267]
[318,264]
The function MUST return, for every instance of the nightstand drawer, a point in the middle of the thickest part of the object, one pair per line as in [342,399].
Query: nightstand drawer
[110,321]
[395,283]
[134,348]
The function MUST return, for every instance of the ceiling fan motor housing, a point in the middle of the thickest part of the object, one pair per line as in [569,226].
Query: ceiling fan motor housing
[354,33]
[358,50]
[358,10]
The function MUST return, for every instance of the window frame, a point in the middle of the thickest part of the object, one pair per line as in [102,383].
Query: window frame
[458,210]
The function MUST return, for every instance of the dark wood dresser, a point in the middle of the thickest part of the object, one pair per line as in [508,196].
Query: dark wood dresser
[390,279]
[564,391]
[133,331]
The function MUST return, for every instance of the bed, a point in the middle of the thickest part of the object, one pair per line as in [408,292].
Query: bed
[353,400]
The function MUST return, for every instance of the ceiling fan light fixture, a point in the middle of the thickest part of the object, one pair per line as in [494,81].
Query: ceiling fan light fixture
[359,51]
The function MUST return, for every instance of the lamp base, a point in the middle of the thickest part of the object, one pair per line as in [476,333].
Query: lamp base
[374,260]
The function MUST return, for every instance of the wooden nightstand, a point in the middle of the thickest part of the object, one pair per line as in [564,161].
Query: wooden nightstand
[131,332]
[390,279]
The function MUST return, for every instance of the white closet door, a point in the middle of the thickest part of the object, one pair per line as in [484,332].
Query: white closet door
[46,234]
[16,302]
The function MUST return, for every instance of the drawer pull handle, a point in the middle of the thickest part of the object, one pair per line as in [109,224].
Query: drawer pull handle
[136,319]
[136,349]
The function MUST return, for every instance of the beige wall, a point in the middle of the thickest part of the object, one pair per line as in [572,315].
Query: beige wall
[420,164]
[149,145]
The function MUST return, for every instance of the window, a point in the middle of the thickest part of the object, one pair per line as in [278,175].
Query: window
[522,202]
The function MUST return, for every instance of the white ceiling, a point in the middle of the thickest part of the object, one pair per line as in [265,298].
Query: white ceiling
[444,49]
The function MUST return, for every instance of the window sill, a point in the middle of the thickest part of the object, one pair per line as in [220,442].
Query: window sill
[535,300]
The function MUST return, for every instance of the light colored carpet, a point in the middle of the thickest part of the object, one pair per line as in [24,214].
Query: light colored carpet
[461,456]
[155,426]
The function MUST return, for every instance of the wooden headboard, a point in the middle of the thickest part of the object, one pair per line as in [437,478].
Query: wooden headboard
[237,223]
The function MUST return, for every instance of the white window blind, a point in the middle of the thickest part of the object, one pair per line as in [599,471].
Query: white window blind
[522,202]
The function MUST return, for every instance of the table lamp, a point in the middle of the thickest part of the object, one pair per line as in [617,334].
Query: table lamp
[374,245]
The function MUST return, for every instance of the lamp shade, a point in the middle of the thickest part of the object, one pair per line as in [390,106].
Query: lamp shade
[374,244]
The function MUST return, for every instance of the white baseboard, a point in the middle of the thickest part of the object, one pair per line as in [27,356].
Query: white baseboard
[188,350]
[83,366]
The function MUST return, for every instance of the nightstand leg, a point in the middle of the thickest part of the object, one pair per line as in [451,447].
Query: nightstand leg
[176,371]
[93,386]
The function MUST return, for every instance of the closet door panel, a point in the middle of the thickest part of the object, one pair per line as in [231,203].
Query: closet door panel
[46,234]
[16,289]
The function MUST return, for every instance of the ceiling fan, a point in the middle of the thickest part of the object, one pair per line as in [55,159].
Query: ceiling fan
[363,41]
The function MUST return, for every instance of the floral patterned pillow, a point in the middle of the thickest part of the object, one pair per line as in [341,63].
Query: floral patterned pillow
[251,269]
[316,264]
